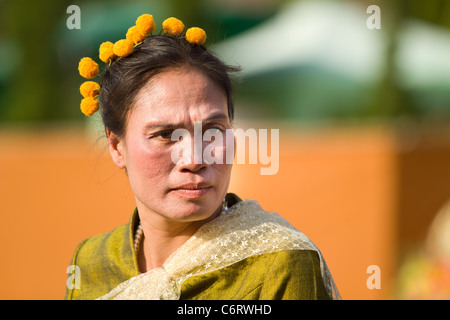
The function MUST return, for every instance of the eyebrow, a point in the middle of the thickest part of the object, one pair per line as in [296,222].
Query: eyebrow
[166,125]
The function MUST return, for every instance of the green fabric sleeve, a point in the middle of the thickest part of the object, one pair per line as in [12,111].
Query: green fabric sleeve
[294,275]
[104,261]
[284,275]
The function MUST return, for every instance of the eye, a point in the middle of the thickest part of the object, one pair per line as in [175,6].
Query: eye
[213,132]
[163,135]
[215,129]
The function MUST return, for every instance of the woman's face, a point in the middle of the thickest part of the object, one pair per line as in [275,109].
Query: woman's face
[182,191]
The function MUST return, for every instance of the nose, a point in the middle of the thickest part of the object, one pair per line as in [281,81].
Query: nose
[190,154]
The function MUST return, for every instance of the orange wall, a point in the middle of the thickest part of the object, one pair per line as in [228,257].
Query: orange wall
[59,187]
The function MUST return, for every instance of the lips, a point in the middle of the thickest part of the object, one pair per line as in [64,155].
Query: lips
[192,190]
[193,185]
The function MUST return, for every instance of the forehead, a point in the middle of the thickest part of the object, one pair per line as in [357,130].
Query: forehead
[179,95]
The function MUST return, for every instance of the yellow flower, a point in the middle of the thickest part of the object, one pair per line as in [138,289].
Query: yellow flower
[89,106]
[88,68]
[173,26]
[145,24]
[90,89]
[106,52]
[196,35]
[123,48]
[135,35]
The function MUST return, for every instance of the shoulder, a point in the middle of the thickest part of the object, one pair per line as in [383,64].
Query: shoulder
[103,262]
[95,248]
[282,275]
[294,275]
[298,260]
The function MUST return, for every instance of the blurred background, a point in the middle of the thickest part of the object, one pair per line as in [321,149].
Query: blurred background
[363,116]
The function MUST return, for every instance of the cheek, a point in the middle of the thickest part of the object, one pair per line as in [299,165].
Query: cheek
[221,158]
[147,164]
[222,177]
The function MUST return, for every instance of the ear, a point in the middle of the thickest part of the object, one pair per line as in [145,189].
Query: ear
[116,149]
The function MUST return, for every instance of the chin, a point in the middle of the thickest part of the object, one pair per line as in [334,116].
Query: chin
[182,209]
[191,210]
[178,208]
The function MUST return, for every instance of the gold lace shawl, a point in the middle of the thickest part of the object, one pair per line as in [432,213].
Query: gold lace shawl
[242,231]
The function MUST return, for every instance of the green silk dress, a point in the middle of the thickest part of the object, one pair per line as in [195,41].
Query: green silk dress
[108,259]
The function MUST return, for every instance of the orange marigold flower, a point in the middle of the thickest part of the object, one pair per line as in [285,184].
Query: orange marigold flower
[135,35]
[90,89]
[145,24]
[173,26]
[88,68]
[123,48]
[196,35]
[106,52]
[89,106]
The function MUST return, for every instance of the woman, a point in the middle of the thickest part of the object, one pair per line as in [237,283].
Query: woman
[187,237]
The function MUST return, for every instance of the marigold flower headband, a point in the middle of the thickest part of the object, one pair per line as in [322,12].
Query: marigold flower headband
[145,25]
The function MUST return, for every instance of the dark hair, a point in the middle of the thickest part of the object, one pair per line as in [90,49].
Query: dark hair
[124,78]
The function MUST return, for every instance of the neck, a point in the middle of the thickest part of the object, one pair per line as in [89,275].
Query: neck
[162,237]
